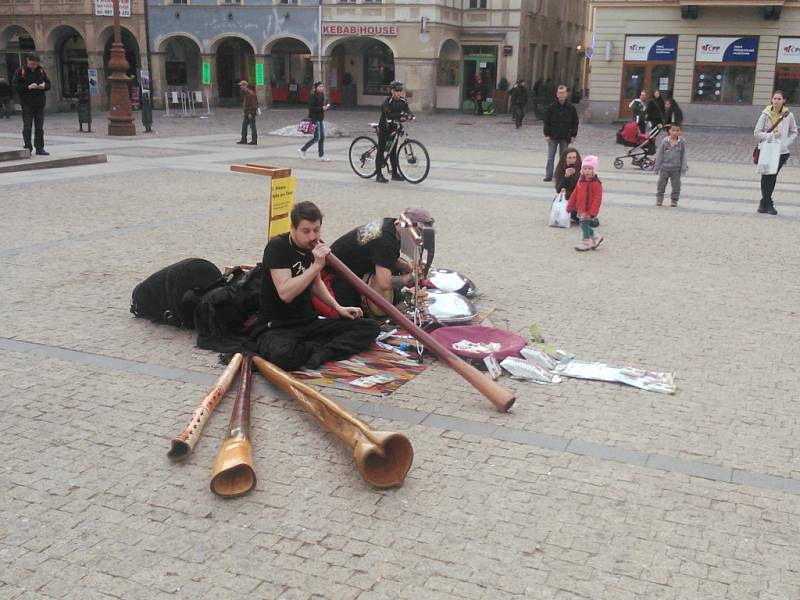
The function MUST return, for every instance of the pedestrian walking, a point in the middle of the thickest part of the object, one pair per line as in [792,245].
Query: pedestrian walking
[670,165]
[560,128]
[6,100]
[249,112]
[31,83]
[586,198]
[638,107]
[519,98]
[316,114]
[655,110]
[775,122]
[672,112]
[567,173]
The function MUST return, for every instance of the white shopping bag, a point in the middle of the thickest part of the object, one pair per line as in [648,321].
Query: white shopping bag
[769,157]
[559,217]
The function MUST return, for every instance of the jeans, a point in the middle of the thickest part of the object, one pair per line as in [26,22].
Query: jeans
[768,183]
[673,175]
[319,136]
[34,115]
[552,147]
[249,119]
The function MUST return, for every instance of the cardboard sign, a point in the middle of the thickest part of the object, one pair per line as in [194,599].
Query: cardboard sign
[281,202]
[94,85]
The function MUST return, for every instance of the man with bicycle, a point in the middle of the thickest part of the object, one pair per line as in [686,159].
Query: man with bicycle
[393,109]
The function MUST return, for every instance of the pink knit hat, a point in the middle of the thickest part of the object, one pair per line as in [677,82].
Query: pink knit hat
[591,161]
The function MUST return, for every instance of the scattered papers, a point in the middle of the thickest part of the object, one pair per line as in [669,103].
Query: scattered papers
[477,347]
[652,381]
[492,366]
[372,380]
[539,357]
[525,370]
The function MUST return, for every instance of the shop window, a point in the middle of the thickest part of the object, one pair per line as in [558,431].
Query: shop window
[378,69]
[175,73]
[723,84]
[477,3]
[447,72]
[787,79]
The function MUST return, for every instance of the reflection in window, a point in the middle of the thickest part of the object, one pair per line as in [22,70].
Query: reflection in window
[723,84]
[378,69]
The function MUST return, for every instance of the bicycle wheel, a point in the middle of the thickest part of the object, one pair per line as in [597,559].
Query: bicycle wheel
[363,153]
[468,106]
[488,108]
[413,161]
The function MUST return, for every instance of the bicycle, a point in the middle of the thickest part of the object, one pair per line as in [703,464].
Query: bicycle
[413,161]
[470,107]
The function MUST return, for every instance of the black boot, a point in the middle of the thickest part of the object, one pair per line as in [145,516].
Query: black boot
[762,207]
[771,208]
[379,178]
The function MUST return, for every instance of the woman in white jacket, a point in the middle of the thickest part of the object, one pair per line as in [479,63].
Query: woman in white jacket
[785,132]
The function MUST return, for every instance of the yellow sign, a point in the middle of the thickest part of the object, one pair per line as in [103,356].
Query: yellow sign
[281,202]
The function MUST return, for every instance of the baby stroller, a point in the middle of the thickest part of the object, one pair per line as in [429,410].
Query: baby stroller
[642,146]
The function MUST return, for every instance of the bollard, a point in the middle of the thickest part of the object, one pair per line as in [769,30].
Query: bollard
[147,111]
[84,109]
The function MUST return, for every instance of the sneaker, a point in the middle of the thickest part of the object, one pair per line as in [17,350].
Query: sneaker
[302,153]
[252,143]
[324,159]
[397,177]
[44,152]
[595,222]
[585,245]
[242,142]
[596,241]
[659,202]
[673,203]
[547,179]
[381,179]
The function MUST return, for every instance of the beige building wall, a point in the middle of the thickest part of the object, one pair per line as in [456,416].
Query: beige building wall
[613,23]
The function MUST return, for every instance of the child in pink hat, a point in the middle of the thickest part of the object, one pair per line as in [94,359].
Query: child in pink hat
[586,198]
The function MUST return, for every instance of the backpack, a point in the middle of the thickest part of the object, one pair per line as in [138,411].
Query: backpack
[168,295]
[225,311]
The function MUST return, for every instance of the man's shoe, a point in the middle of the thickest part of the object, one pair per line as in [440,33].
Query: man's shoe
[397,177]
[771,211]
[302,153]
[242,142]
[44,152]
[381,179]
[252,143]
[547,179]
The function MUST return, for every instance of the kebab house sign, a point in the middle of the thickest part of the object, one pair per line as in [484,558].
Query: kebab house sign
[360,29]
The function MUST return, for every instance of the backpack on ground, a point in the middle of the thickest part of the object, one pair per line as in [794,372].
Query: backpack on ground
[226,311]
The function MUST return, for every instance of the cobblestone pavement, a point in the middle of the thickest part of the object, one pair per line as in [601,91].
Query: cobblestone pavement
[584,490]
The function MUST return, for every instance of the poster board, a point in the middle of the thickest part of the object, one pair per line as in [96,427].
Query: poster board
[281,202]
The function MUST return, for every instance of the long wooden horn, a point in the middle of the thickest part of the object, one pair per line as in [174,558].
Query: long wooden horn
[233,473]
[383,457]
[185,442]
[502,398]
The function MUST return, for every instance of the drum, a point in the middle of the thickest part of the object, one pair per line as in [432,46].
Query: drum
[450,308]
[452,281]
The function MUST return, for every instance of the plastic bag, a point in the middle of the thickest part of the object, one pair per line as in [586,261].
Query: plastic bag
[769,157]
[307,127]
[559,217]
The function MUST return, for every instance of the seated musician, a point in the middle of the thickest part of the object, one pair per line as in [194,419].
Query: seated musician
[372,252]
[292,335]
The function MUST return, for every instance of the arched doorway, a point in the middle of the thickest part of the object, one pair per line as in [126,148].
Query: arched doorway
[182,63]
[448,69]
[72,61]
[15,42]
[365,66]
[291,71]
[235,61]
[131,47]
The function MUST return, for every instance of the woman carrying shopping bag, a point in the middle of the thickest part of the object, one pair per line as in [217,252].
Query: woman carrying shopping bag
[775,124]
[316,114]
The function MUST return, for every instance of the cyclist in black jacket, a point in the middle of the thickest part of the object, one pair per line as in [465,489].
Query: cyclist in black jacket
[393,109]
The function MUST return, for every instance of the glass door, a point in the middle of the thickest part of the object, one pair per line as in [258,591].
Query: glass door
[632,85]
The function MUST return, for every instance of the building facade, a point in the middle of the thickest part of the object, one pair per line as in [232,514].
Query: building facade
[71,38]
[719,60]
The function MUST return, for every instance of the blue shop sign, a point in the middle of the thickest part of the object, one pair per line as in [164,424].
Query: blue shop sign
[727,49]
[648,47]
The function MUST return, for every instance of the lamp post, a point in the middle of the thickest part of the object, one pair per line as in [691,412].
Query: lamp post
[120,118]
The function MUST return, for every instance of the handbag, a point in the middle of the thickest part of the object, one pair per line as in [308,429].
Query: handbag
[307,127]
[757,149]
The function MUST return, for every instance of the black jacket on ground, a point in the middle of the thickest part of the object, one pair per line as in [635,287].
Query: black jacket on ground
[561,121]
[23,77]
[316,102]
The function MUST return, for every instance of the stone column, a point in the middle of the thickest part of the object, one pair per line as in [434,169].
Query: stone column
[158,78]
[263,91]
[419,77]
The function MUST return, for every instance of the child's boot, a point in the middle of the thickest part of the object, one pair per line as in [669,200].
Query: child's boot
[584,245]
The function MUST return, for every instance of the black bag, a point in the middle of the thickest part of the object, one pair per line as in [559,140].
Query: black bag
[167,296]
[226,310]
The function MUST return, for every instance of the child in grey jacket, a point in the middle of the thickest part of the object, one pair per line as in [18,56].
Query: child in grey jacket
[670,164]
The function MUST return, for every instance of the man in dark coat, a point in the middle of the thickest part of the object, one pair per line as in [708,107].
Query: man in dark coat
[6,100]
[560,128]
[519,98]
[31,83]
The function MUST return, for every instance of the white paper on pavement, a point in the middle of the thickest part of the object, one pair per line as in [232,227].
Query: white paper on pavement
[652,381]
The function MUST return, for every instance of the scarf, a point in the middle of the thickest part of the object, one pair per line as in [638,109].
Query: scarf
[773,115]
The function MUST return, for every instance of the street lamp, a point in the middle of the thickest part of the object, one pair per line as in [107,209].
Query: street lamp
[120,118]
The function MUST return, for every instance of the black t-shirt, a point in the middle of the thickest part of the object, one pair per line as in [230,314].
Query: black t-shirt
[368,245]
[281,253]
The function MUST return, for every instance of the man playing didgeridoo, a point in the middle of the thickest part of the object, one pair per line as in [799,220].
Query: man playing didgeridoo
[292,336]
[372,252]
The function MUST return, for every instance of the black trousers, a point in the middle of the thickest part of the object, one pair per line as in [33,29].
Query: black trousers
[312,343]
[768,183]
[383,141]
[518,111]
[249,119]
[33,115]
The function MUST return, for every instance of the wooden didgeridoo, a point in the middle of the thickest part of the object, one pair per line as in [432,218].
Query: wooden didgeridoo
[382,457]
[502,398]
[233,473]
[186,440]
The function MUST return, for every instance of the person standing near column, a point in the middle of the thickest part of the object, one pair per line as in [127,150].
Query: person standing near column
[775,123]
[560,128]
[31,83]
[249,110]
